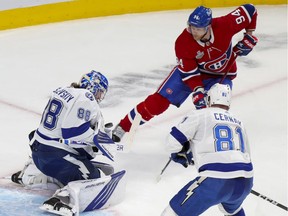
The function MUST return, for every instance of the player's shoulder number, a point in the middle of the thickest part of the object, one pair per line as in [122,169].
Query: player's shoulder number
[239,17]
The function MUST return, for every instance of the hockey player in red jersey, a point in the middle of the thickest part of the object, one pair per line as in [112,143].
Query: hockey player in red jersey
[205,56]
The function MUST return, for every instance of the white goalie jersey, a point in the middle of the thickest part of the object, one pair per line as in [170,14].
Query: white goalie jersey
[73,114]
[218,142]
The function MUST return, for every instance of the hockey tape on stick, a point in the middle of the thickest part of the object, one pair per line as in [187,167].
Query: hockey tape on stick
[129,138]
[269,200]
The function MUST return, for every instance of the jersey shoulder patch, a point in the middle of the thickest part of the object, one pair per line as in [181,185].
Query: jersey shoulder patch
[90,96]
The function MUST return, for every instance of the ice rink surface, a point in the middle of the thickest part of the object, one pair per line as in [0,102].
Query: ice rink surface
[136,52]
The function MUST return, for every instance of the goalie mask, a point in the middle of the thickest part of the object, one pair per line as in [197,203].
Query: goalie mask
[96,83]
[219,94]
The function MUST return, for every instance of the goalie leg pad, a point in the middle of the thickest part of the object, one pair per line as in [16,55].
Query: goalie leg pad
[98,193]
[87,195]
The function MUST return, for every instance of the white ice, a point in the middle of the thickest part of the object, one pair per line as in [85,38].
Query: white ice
[135,52]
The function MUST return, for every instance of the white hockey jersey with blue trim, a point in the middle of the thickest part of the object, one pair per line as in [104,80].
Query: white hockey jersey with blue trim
[70,114]
[218,142]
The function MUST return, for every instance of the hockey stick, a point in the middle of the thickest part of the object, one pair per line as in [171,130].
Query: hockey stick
[269,200]
[252,191]
[5,177]
[234,57]
[129,138]
[162,171]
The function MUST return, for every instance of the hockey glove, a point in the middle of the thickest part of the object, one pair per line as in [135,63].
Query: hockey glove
[198,98]
[183,157]
[246,45]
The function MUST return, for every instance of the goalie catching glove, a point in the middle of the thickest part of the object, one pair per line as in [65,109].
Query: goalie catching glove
[246,45]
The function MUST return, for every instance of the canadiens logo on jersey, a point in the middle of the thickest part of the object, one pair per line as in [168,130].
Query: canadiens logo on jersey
[218,64]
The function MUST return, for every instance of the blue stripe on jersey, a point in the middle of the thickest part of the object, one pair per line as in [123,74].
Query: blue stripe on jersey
[224,167]
[250,9]
[178,135]
[75,131]
[46,137]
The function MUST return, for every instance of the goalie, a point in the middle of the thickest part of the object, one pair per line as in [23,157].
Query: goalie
[70,135]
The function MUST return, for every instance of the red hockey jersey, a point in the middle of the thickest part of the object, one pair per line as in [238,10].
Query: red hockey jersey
[198,61]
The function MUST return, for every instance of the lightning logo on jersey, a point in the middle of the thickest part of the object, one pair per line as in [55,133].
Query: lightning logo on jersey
[192,187]
[82,168]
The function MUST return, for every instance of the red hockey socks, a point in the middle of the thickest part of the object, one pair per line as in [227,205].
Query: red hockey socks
[154,104]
